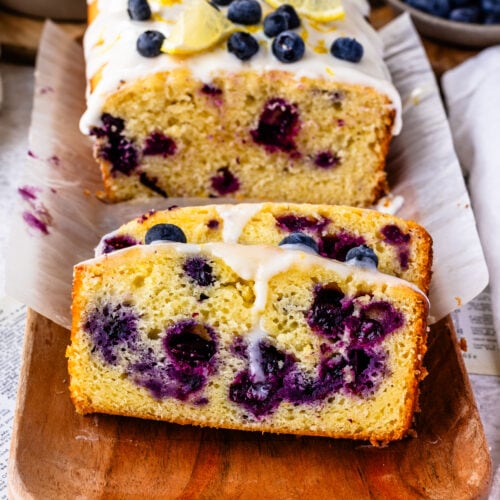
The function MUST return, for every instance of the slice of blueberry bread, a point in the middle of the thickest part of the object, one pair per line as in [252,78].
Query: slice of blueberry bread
[261,338]
[281,106]
[403,248]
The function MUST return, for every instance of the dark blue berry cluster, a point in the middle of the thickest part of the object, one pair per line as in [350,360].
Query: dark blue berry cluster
[465,11]
[287,45]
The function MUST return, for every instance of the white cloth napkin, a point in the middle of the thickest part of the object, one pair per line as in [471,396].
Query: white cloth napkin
[472,92]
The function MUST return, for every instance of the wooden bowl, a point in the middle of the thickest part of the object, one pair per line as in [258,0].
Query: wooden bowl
[464,34]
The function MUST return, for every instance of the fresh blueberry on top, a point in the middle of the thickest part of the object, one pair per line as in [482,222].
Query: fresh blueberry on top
[465,14]
[165,232]
[347,49]
[362,256]
[149,43]
[245,12]
[288,47]
[300,239]
[138,10]
[293,18]
[275,23]
[242,45]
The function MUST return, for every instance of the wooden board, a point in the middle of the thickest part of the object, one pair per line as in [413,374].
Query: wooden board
[20,35]
[56,453]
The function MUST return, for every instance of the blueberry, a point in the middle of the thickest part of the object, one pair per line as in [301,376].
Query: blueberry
[347,49]
[336,246]
[149,43]
[222,3]
[199,270]
[362,256]
[296,223]
[288,47]
[491,7]
[325,159]
[245,12]
[117,243]
[139,10]
[278,126]
[440,8]
[300,239]
[459,3]
[189,348]
[165,232]
[465,14]
[329,312]
[159,144]
[293,18]
[225,182]
[491,19]
[275,23]
[111,327]
[242,45]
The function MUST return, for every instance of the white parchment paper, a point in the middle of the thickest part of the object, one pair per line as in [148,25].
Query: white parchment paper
[473,97]
[59,220]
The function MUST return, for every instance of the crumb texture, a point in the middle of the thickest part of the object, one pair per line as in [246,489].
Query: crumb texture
[184,337]
[265,136]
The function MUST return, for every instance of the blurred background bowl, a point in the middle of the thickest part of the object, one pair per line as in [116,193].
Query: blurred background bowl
[457,33]
[59,10]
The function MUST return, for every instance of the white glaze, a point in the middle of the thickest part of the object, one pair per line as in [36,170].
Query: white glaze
[254,355]
[235,218]
[259,263]
[299,246]
[110,46]
[390,204]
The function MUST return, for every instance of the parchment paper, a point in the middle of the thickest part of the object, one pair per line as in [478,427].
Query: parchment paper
[59,220]
[472,94]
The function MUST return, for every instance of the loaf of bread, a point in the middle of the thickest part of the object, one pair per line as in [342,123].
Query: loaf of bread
[205,123]
[403,248]
[250,337]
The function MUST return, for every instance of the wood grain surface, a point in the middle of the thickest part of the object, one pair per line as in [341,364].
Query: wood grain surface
[57,454]
[20,35]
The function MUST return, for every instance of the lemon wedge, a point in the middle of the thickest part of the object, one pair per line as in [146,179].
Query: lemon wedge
[198,28]
[317,10]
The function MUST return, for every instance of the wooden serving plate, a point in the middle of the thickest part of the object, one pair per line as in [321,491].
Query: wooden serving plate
[56,453]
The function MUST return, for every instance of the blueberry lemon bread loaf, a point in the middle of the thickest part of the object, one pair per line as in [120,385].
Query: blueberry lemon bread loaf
[247,337]
[403,248]
[245,100]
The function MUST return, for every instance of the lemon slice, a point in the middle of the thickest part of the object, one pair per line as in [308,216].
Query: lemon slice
[318,10]
[199,27]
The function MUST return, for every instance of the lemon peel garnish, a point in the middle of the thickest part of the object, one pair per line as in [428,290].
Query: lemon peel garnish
[317,10]
[169,3]
[320,47]
[199,27]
